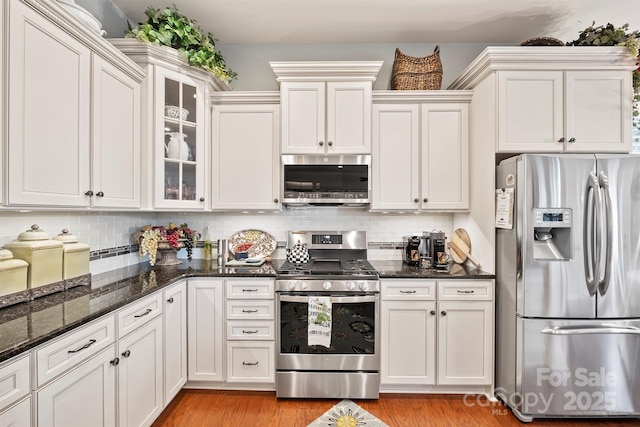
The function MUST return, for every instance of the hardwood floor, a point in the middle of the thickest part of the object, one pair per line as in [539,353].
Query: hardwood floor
[252,409]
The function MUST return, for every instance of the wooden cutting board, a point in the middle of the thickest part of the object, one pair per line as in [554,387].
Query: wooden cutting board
[461,247]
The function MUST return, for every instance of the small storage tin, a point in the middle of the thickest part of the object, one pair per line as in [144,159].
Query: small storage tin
[44,256]
[75,258]
[13,279]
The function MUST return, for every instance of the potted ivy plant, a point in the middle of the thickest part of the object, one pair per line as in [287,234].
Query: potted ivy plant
[610,35]
[169,27]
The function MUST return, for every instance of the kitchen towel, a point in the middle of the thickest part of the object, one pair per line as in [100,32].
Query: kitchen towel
[319,331]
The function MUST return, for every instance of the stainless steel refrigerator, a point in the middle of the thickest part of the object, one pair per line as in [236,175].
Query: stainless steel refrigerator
[568,286]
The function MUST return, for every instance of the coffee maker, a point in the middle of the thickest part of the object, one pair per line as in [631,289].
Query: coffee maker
[438,242]
[411,250]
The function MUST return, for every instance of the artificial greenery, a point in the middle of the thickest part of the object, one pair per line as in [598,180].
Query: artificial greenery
[610,35]
[169,27]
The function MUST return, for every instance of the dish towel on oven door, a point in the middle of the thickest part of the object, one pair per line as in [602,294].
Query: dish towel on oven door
[319,331]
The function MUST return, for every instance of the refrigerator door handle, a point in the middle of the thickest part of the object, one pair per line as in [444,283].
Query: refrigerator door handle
[592,246]
[603,284]
[591,329]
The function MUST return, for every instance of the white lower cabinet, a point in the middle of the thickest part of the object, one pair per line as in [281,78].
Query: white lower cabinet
[18,415]
[84,396]
[205,331]
[436,335]
[175,340]
[140,375]
[251,331]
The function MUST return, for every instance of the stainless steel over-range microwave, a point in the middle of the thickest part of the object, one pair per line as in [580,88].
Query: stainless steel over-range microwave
[326,180]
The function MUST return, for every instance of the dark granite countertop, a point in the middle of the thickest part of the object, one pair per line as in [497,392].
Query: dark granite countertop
[26,325]
[400,270]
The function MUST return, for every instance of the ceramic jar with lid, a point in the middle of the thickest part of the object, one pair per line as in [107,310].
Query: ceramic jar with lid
[75,256]
[13,279]
[44,257]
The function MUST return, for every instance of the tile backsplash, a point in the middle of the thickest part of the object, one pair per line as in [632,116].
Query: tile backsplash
[109,233]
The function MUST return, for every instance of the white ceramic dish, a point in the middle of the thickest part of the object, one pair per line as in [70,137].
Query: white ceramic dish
[83,15]
[262,243]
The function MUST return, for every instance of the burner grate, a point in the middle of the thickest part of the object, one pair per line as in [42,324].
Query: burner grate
[326,266]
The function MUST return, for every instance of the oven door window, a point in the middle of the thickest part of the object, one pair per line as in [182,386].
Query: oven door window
[352,326]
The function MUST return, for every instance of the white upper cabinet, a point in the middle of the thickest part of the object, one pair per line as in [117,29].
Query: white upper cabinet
[175,127]
[3,104]
[420,151]
[71,94]
[556,111]
[326,106]
[245,160]
[534,100]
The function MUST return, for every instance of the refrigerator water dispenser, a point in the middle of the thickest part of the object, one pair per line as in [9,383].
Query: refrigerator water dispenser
[552,234]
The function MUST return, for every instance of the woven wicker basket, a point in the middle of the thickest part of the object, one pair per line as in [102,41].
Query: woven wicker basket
[411,73]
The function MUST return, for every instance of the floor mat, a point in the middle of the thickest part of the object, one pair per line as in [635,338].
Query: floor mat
[347,414]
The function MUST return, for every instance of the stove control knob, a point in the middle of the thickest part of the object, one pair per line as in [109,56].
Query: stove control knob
[303,285]
[291,285]
[351,285]
[364,286]
[326,285]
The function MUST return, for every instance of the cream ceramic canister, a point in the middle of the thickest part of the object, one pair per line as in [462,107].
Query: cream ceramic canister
[177,148]
[43,255]
[75,259]
[13,277]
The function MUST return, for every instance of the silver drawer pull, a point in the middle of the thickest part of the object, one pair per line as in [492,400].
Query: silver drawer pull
[87,345]
[249,311]
[249,363]
[464,292]
[144,314]
[407,292]
[249,332]
[249,290]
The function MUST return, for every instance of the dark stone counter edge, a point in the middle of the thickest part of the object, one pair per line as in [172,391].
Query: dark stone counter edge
[385,269]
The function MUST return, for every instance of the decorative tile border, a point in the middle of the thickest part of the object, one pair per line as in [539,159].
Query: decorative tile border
[135,248]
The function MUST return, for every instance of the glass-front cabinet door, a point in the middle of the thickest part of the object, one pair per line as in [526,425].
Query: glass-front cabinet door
[179,139]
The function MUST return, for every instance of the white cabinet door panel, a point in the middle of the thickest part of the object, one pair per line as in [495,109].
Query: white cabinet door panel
[395,157]
[596,106]
[175,340]
[303,117]
[348,118]
[17,416]
[49,112]
[445,157]
[84,396]
[116,137]
[246,157]
[140,376]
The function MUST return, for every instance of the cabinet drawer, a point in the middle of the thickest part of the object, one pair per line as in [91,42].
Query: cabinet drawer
[250,309]
[250,289]
[408,289]
[14,381]
[456,290]
[251,362]
[139,313]
[263,330]
[74,348]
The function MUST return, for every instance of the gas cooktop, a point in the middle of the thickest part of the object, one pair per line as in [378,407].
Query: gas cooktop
[319,268]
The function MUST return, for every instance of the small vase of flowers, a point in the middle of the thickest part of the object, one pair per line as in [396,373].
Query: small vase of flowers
[168,240]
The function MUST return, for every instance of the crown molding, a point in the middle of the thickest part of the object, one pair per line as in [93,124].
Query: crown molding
[245,97]
[326,70]
[420,96]
[144,54]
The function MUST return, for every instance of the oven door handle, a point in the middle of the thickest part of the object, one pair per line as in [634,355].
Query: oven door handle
[334,299]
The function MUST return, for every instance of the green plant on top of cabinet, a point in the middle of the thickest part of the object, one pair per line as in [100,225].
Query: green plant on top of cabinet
[73,116]
[326,106]
[175,126]
[420,151]
[246,159]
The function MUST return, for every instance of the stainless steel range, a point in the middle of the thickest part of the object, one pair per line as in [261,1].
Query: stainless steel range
[328,312]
